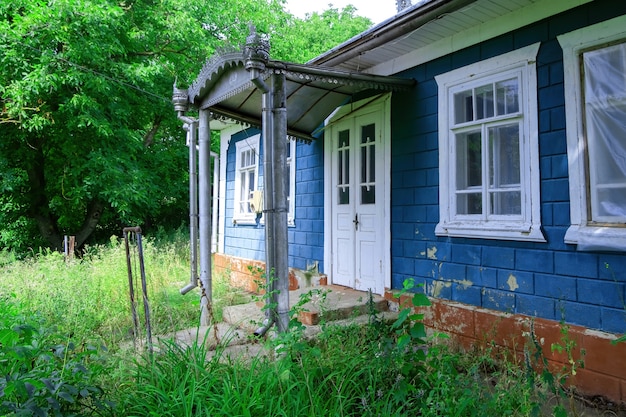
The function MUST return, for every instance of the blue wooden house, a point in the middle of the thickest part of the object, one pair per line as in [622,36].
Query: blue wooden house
[496,178]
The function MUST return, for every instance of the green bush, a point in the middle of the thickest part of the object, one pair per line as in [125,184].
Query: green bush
[41,377]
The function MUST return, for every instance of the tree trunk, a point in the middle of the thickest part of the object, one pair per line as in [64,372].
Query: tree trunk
[92,217]
[46,220]
[39,207]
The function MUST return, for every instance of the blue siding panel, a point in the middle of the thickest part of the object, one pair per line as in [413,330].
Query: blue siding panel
[536,306]
[466,294]
[582,314]
[602,293]
[482,277]
[499,257]
[613,320]
[498,300]
[534,260]
[576,264]
[516,281]
[556,286]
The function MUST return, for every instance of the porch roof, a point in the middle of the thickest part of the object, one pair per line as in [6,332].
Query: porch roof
[224,87]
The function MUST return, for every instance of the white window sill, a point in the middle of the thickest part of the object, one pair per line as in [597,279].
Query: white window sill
[526,233]
[244,221]
[251,221]
[596,238]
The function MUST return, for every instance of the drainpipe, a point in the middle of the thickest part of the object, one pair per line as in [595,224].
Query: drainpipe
[214,198]
[274,121]
[277,161]
[190,124]
[204,202]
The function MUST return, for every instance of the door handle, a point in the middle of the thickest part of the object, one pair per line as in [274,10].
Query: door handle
[356,222]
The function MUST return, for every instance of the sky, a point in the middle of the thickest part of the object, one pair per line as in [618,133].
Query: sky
[376,10]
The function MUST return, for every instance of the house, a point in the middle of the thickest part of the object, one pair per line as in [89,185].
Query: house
[494,175]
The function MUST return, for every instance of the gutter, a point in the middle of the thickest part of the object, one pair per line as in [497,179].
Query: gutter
[400,25]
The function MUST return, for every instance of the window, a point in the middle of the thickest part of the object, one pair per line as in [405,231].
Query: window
[246,179]
[595,102]
[488,156]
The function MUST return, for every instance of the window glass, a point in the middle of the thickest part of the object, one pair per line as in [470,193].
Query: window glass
[246,178]
[605,111]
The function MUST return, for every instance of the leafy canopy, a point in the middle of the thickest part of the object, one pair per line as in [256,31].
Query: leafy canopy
[89,140]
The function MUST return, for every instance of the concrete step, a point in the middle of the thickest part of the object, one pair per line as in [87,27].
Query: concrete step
[329,304]
[314,305]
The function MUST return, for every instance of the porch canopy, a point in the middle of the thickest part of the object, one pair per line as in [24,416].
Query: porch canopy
[283,99]
[224,87]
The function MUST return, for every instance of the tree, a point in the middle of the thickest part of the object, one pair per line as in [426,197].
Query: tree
[89,140]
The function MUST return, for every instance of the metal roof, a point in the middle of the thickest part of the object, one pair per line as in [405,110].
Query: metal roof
[224,87]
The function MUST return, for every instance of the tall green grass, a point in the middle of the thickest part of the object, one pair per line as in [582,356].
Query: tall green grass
[87,298]
[56,316]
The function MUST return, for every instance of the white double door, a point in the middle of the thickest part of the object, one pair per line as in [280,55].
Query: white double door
[359,251]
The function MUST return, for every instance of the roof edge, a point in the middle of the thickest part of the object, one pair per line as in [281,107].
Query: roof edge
[393,28]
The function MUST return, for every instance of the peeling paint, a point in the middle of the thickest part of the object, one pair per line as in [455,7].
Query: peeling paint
[466,283]
[438,286]
[512,282]
[431,253]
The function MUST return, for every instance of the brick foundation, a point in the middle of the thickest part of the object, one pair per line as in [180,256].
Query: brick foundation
[243,273]
[604,371]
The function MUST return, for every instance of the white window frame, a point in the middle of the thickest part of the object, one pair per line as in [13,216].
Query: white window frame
[291,198]
[582,232]
[520,63]
[244,145]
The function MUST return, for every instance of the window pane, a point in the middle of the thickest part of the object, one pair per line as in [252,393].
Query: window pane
[507,96]
[344,196]
[368,194]
[468,163]
[343,167]
[469,173]
[504,156]
[604,73]
[463,107]
[611,204]
[251,184]
[605,101]
[469,203]
[484,102]
[244,187]
[506,203]
[368,164]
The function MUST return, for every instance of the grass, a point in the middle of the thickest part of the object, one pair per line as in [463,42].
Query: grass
[62,325]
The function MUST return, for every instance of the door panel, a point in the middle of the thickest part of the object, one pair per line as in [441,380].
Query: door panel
[358,203]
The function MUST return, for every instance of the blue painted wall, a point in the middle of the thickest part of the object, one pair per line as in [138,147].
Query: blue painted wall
[306,238]
[553,280]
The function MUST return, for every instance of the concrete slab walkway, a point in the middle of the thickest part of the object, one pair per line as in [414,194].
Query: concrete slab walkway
[316,305]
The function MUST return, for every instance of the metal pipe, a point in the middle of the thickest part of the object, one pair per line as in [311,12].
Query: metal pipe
[215,199]
[204,201]
[268,204]
[144,288]
[267,324]
[191,126]
[257,80]
[279,196]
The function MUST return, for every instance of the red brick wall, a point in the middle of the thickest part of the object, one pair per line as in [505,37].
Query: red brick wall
[604,371]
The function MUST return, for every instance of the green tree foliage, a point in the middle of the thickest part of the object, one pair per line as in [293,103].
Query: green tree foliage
[89,141]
